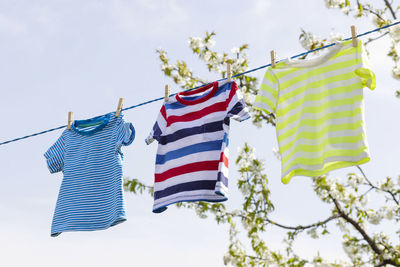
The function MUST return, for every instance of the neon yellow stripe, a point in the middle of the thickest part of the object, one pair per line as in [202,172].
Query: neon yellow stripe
[269,90]
[283,72]
[321,145]
[315,124]
[330,166]
[322,133]
[270,77]
[266,100]
[302,89]
[318,71]
[345,52]
[315,97]
[327,154]
[333,103]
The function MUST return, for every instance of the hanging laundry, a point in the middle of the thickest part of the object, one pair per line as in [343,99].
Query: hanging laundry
[319,110]
[89,155]
[192,131]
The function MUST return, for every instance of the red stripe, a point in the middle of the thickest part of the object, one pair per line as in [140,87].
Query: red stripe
[214,86]
[211,165]
[220,106]
[163,112]
[224,159]
[232,92]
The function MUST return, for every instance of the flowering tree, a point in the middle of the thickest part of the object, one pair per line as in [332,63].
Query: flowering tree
[379,17]
[348,198]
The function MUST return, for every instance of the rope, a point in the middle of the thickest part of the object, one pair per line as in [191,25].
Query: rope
[236,75]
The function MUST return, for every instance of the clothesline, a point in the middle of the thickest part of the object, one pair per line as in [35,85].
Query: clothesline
[233,76]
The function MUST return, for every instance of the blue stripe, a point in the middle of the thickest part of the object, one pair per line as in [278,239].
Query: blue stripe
[239,106]
[188,150]
[206,128]
[156,131]
[226,139]
[222,178]
[183,187]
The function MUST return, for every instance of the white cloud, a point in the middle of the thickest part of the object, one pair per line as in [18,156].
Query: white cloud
[133,17]
[260,7]
[11,25]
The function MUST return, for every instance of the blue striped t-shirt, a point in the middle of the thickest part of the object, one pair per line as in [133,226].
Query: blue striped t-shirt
[90,156]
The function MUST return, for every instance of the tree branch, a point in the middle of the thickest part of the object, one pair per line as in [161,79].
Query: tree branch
[370,242]
[377,188]
[374,12]
[366,237]
[390,8]
[303,227]
[376,38]
[385,262]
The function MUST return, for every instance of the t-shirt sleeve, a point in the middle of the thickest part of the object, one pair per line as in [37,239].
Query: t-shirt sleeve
[364,71]
[126,134]
[55,155]
[236,106]
[267,96]
[159,127]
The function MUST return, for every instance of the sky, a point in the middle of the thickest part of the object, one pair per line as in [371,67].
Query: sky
[82,56]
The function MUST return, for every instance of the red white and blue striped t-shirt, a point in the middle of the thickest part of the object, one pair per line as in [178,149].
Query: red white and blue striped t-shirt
[192,133]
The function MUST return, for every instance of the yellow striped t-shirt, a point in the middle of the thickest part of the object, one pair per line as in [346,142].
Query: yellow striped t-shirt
[318,105]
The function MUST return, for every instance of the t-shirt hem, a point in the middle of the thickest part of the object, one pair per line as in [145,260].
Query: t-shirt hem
[262,109]
[165,206]
[312,173]
[85,229]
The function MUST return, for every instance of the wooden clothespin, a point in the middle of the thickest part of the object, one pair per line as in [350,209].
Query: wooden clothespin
[228,72]
[119,107]
[354,35]
[70,119]
[167,92]
[273,58]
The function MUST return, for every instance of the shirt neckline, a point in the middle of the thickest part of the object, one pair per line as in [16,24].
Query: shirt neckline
[102,120]
[213,85]
[306,63]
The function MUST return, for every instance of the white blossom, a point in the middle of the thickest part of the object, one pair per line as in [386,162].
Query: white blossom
[363,225]
[388,185]
[167,67]
[334,37]
[389,212]
[349,196]
[313,233]
[377,21]
[381,237]
[346,9]
[355,180]
[364,200]
[196,42]
[307,40]
[351,250]
[396,72]
[235,50]
[210,43]
[395,32]
[333,3]
[248,97]
[276,153]
[206,55]
[374,217]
